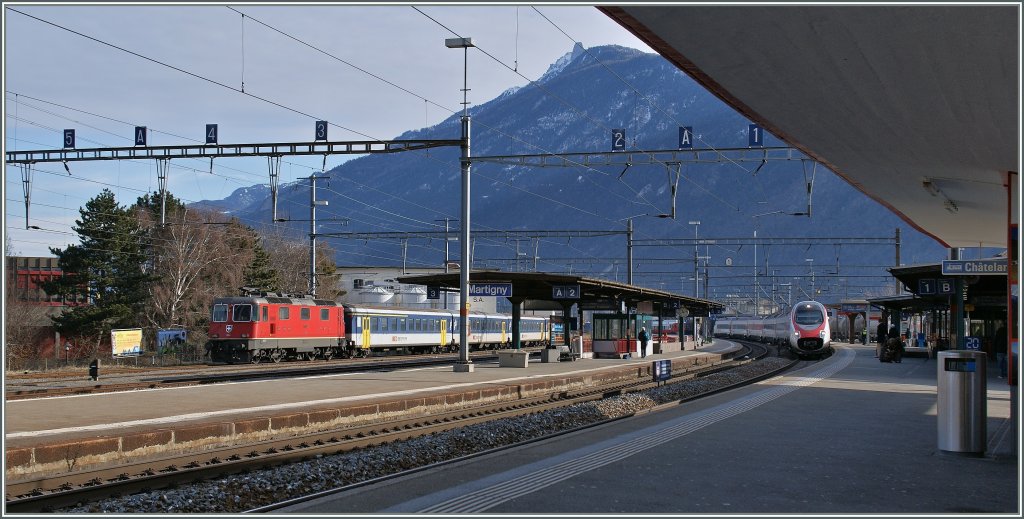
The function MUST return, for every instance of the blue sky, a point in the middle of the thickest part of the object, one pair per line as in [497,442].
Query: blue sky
[55,79]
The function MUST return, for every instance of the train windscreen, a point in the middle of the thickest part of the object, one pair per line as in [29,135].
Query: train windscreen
[808,316]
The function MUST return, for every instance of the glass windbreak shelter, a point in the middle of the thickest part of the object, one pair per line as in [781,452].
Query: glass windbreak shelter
[615,335]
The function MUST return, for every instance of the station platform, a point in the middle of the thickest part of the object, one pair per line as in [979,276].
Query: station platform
[106,428]
[847,435]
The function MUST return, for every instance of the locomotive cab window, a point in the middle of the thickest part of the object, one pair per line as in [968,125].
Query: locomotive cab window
[265,312]
[220,313]
[241,313]
[808,315]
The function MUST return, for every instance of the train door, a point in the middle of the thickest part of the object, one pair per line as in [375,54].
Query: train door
[504,332]
[444,332]
[272,311]
[366,331]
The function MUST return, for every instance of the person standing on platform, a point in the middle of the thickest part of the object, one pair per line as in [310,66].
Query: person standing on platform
[644,338]
[880,335]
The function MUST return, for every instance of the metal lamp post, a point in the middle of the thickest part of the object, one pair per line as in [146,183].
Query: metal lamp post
[464,365]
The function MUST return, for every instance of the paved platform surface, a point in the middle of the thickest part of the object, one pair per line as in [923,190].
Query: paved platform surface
[43,419]
[848,435]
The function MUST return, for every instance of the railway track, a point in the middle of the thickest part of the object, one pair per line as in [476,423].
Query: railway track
[47,494]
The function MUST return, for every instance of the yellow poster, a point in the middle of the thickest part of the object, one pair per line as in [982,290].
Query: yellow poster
[126,342]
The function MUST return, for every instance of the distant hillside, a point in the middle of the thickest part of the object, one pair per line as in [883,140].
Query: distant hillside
[239,201]
[573,108]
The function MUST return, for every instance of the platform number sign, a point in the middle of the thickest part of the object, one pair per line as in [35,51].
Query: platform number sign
[972,343]
[433,292]
[140,135]
[211,134]
[944,286]
[69,138]
[565,292]
[685,137]
[926,287]
[755,136]
[619,139]
[321,131]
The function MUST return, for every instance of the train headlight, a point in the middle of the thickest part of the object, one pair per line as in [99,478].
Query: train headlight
[821,334]
[245,335]
[215,336]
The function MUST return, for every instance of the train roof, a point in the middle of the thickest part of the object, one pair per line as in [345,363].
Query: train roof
[276,300]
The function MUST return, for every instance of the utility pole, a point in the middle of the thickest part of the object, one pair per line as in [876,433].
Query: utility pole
[313,202]
[898,290]
[757,307]
[696,273]
[629,251]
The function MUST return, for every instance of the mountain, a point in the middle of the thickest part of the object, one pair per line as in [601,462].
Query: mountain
[572,108]
[238,201]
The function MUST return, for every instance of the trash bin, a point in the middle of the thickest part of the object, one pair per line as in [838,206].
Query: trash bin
[963,407]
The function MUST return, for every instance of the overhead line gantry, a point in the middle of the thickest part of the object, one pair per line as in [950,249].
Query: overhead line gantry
[164,154]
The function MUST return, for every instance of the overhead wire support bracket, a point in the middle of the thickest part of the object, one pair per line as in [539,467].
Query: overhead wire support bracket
[646,157]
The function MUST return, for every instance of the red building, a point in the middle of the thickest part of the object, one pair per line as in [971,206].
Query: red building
[25,277]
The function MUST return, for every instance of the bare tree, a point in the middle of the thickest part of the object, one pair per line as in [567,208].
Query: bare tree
[26,326]
[290,258]
[186,248]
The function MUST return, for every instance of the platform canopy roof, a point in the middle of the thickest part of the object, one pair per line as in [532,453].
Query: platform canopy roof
[983,292]
[915,105]
[594,294]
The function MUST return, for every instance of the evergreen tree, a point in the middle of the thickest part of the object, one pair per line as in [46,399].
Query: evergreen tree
[152,202]
[105,271]
[260,273]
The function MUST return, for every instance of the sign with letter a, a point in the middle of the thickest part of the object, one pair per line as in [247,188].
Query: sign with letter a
[685,137]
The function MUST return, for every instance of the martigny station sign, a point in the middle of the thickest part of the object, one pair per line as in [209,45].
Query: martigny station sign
[981,267]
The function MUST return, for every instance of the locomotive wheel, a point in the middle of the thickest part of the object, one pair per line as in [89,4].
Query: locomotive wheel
[277,355]
[256,356]
[328,353]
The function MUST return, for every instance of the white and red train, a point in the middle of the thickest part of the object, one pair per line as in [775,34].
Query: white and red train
[804,328]
[273,327]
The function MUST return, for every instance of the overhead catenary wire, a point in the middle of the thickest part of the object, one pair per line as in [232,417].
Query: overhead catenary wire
[189,73]
[426,102]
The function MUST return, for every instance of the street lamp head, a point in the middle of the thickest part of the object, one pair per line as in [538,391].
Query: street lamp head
[458,43]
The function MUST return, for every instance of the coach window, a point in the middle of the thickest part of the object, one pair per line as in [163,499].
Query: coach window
[325,314]
[304,314]
[220,313]
[242,313]
[282,313]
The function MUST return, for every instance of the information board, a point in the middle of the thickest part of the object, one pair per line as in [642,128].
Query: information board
[662,370]
[126,342]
